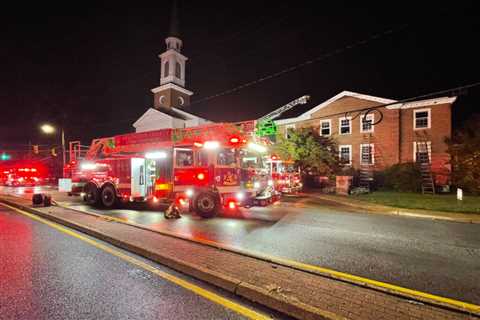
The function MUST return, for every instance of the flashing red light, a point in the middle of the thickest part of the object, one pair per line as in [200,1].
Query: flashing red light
[274,157]
[232,204]
[198,144]
[201,176]
[182,201]
[234,140]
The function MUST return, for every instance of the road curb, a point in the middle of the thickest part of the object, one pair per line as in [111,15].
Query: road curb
[395,211]
[272,300]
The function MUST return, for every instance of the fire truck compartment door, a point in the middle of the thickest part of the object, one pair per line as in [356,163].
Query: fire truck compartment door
[138,181]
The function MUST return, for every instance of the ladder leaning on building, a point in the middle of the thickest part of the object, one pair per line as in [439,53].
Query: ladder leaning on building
[370,161]
[423,151]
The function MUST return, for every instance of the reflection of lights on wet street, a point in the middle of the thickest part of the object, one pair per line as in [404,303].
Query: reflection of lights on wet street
[231,223]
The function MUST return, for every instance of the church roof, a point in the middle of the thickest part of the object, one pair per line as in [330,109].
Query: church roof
[173,113]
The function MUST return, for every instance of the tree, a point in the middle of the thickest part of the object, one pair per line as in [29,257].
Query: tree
[464,149]
[310,151]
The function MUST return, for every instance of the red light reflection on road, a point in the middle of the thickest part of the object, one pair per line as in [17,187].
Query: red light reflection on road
[15,263]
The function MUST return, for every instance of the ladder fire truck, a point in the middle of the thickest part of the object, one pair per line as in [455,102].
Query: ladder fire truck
[197,167]
[203,168]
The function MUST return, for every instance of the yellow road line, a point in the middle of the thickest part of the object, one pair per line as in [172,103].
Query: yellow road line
[238,308]
[468,307]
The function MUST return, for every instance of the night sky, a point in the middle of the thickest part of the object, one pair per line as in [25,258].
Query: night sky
[90,67]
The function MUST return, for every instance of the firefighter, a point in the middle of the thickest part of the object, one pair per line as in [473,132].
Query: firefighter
[172,212]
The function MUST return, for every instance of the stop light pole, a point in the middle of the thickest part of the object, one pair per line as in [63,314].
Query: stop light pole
[49,129]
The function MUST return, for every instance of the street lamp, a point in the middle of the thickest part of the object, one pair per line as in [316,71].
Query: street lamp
[49,129]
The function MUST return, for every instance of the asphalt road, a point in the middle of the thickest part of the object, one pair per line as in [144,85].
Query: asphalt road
[46,274]
[437,257]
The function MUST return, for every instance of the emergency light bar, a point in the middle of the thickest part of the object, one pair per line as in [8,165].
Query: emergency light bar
[156,155]
[88,166]
[211,144]
[257,147]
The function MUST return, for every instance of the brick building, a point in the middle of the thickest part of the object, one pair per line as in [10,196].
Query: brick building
[396,133]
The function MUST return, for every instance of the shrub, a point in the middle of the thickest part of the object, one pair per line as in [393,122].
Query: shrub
[404,177]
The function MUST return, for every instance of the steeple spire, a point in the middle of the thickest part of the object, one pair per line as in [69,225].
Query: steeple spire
[174,26]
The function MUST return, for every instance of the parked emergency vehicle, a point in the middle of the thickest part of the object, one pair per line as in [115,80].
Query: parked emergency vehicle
[286,177]
[22,173]
[200,168]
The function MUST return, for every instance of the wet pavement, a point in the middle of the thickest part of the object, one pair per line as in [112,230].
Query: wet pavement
[46,274]
[437,257]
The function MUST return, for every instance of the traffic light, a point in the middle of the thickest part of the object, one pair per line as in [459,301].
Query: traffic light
[5,156]
[35,149]
[54,153]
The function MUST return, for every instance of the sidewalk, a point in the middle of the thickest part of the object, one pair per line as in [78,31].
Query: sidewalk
[300,294]
[369,207]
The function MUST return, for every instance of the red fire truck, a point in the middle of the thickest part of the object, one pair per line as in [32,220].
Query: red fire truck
[200,168]
[22,173]
[285,176]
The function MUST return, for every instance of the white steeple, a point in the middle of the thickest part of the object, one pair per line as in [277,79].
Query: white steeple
[173,62]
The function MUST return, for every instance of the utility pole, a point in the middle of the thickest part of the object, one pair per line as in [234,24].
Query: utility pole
[63,153]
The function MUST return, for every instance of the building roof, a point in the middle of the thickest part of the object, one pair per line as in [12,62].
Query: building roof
[304,112]
[172,113]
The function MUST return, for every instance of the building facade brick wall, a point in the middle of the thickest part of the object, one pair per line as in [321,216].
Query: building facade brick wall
[393,138]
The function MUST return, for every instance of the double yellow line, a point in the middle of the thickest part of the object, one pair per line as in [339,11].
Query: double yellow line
[227,303]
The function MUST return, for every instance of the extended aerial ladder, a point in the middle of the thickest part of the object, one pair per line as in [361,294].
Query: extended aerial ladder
[265,124]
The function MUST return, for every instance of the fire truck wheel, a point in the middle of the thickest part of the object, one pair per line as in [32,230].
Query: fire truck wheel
[109,196]
[206,204]
[91,194]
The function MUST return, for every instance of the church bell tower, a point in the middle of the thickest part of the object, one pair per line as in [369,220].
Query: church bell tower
[172,92]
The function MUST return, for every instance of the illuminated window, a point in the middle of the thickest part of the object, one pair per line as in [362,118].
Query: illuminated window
[345,125]
[325,127]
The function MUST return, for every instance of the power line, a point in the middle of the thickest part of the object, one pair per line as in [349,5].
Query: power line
[324,56]
[461,90]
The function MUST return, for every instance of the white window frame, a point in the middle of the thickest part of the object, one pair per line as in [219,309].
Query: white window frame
[289,126]
[429,150]
[368,117]
[329,121]
[372,150]
[349,146]
[340,125]
[429,119]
